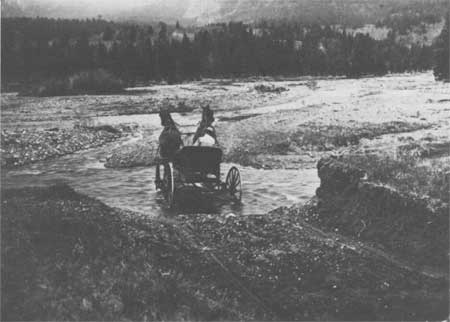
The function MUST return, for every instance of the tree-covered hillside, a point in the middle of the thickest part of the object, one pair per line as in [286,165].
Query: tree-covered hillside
[41,48]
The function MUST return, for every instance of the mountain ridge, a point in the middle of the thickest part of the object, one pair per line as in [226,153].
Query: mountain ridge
[201,12]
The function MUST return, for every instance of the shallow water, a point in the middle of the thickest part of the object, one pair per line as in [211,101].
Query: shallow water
[133,189]
[409,98]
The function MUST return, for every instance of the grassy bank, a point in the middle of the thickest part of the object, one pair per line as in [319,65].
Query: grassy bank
[69,257]
[398,204]
[406,173]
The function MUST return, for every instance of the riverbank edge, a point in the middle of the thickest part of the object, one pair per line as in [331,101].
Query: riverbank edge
[72,257]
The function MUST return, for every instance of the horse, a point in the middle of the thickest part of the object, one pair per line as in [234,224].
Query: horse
[170,139]
[206,133]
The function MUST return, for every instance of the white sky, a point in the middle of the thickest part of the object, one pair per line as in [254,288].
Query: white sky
[108,8]
[102,3]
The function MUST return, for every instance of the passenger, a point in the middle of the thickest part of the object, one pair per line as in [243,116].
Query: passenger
[206,134]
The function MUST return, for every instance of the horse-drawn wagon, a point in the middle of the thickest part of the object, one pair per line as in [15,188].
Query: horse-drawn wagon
[197,167]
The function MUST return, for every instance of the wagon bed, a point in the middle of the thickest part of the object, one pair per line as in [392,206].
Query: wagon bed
[198,167]
[198,164]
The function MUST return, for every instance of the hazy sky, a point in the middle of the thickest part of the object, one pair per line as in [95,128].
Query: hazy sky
[112,9]
[96,7]
[103,3]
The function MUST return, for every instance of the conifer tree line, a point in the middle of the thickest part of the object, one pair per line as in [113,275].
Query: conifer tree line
[39,48]
[442,53]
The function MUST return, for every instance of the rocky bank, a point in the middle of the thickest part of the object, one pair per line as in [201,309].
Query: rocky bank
[142,153]
[25,146]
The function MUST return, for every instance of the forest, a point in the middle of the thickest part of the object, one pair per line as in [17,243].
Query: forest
[37,49]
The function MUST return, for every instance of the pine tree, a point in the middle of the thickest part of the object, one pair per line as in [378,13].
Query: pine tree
[148,60]
[83,52]
[441,53]
[108,34]
[186,59]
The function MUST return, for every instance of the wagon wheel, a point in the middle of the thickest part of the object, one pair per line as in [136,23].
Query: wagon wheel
[233,183]
[168,183]
[158,180]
